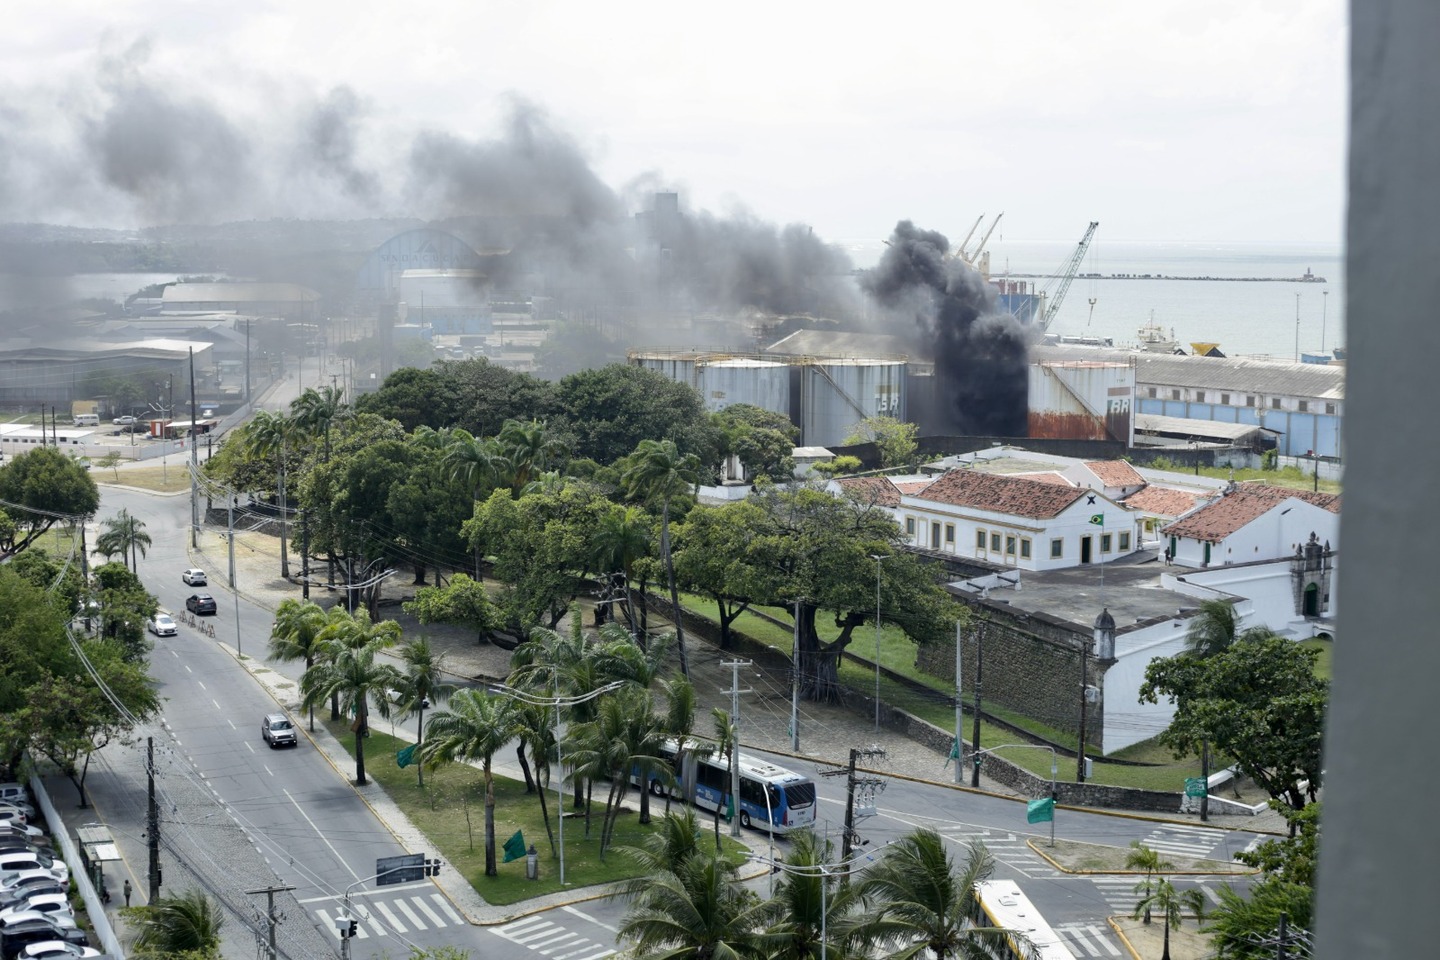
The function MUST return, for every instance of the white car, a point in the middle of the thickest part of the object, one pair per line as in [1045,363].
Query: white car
[161,625]
[57,949]
[123,421]
[26,862]
[25,831]
[54,905]
[195,577]
[10,920]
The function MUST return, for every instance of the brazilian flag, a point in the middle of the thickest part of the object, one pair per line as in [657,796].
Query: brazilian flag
[515,847]
[1098,519]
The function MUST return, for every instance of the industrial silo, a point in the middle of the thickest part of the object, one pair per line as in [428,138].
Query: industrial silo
[1082,400]
[682,367]
[725,380]
[837,394]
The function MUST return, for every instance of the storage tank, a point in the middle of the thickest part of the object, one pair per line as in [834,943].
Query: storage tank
[1082,400]
[680,367]
[761,383]
[837,394]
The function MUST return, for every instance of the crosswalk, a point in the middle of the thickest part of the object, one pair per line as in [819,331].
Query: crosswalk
[398,914]
[1011,849]
[551,940]
[1088,939]
[1184,840]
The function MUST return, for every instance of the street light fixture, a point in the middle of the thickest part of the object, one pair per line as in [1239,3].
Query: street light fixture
[1054,769]
[877,558]
[526,697]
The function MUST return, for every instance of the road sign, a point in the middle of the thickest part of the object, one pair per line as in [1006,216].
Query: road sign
[1195,787]
[404,869]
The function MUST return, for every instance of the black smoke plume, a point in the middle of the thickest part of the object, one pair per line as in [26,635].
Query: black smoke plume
[979,352]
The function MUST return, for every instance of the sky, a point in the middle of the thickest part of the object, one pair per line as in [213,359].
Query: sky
[1165,121]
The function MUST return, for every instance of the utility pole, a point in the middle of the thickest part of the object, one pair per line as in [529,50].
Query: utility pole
[735,692]
[194,462]
[959,663]
[1084,677]
[272,918]
[869,787]
[975,719]
[152,822]
[304,557]
[795,685]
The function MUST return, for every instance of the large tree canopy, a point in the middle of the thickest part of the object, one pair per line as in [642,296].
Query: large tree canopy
[1258,701]
[612,409]
[40,488]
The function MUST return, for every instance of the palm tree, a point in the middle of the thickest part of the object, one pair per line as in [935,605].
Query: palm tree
[676,840]
[529,450]
[270,435]
[344,630]
[296,635]
[475,461]
[657,471]
[314,411]
[1171,903]
[423,685]
[918,902]
[621,538]
[124,536]
[1148,862]
[725,746]
[802,914]
[187,924]
[476,726]
[679,696]
[534,727]
[353,675]
[696,912]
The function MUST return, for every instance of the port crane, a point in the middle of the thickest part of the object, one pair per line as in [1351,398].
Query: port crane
[977,259]
[1067,274]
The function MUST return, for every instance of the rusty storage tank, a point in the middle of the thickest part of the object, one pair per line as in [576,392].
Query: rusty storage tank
[724,380]
[836,394]
[1082,400]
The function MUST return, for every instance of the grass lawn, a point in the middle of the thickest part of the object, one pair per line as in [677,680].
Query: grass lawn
[897,653]
[1327,649]
[1292,477]
[450,811]
[168,478]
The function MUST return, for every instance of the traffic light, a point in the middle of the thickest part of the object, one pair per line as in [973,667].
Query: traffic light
[352,929]
[432,868]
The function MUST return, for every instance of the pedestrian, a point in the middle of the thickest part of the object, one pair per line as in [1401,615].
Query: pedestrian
[127,893]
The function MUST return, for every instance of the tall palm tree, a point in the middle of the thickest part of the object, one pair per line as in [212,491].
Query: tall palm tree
[424,684]
[534,728]
[187,924]
[475,461]
[271,435]
[696,912]
[803,916]
[354,675]
[917,901]
[1149,862]
[530,451]
[124,536]
[1172,905]
[725,746]
[621,538]
[344,630]
[679,696]
[295,635]
[659,473]
[676,840]
[314,411]
[476,726]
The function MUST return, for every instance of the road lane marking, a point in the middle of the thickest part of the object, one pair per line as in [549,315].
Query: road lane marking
[585,916]
[445,908]
[535,933]
[217,704]
[410,915]
[421,906]
[267,769]
[187,669]
[232,724]
[390,918]
[202,684]
[319,833]
[248,747]
[510,928]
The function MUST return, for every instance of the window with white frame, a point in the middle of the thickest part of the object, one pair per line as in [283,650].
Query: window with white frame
[1024,548]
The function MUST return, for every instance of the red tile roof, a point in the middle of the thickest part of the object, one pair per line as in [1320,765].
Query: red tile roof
[1166,501]
[1216,521]
[1047,477]
[1115,473]
[878,490]
[910,487]
[1002,494]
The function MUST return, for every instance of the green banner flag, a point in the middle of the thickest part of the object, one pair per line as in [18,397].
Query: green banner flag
[515,847]
[1098,519]
[405,757]
[954,752]
[1040,811]
[730,807]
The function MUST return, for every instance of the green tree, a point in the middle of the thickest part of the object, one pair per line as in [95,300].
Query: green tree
[696,912]
[315,410]
[295,635]
[811,910]
[111,461]
[185,925]
[475,727]
[271,435]
[353,673]
[710,558]
[1244,922]
[1151,864]
[422,685]
[124,608]
[1160,894]
[529,449]
[462,601]
[612,409]
[626,734]
[916,902]
[762,440]
[621,539]
[895,439]
[1259,701]
[124,536]
[47,487]
[660,474]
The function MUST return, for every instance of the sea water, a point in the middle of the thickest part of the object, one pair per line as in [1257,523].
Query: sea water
[1246,317]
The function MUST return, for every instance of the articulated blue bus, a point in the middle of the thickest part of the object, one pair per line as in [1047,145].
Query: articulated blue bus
[771,797]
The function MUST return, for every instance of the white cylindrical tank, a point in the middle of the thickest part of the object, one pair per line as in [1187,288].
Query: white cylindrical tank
[761,383]
[680,367]
[1082,400]
[836,394]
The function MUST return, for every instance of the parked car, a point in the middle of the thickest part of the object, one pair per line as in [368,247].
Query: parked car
[161,625]
[13,880]
[56,950]
[23,831]
[27,861]
[277,730]
[124,421]
[15,938]
[13,917]
[55,904]
[15,792]
[200,604]
[9,813]
[195,577]
[29,888]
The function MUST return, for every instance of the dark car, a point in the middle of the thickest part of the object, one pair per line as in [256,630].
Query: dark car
[200,603]
[14,938]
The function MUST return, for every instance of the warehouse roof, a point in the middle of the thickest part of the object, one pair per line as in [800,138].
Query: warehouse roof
[1235,374]
[1153,423]
[834,343]
[239,293]
[1216,521]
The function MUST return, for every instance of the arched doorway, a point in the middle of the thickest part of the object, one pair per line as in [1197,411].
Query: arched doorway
[1311,605]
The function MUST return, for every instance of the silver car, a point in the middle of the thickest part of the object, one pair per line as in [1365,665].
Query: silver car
[277,730]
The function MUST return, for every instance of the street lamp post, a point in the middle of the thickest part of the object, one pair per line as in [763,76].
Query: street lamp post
[1054,770]
[877,558]
[526,697]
